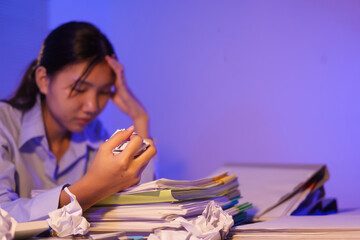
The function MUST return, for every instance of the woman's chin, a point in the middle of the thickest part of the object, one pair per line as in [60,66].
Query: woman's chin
[77,128]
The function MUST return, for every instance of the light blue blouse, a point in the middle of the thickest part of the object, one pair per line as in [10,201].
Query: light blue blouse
[27,163]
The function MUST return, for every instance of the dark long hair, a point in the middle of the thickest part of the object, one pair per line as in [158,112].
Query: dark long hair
[70,43]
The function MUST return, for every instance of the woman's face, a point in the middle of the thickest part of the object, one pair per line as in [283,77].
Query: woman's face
[71,109]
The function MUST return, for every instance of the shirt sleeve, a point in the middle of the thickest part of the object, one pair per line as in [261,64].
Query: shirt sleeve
[36,208]
[23,209]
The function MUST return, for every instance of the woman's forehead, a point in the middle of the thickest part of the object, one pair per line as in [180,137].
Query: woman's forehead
[100,73]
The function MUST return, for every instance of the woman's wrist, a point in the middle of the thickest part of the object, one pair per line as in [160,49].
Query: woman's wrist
[86,191]
[141,125]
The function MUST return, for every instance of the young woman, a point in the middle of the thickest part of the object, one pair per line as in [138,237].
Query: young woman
[50,137]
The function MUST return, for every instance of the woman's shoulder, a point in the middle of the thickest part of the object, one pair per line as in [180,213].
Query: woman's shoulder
[9,115]
[10,121]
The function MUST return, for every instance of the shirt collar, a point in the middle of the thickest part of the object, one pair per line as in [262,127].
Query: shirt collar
[32,124]
[83,137]
[94,134]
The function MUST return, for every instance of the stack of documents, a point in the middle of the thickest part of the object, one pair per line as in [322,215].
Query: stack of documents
[278,190]
[154,205]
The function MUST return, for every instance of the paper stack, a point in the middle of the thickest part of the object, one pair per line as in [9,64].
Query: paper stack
[150,206]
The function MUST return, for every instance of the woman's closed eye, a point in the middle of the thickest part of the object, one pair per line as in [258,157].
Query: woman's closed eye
[80,88]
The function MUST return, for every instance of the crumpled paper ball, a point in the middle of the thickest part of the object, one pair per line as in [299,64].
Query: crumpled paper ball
[7,225]
[68,220]
[213,224]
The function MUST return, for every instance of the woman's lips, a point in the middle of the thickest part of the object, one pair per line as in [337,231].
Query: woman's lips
[83,121]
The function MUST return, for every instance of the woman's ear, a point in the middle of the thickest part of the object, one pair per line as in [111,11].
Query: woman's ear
[42,80]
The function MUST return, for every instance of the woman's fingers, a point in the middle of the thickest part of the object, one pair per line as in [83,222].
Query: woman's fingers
[142,160]
[115,65]
[117,139]
[132,147]
[130,151]
[120,82]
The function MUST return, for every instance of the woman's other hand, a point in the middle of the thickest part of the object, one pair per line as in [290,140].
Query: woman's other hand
[126,101]
[111,173]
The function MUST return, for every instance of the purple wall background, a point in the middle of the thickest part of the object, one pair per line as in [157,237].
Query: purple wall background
[229,81]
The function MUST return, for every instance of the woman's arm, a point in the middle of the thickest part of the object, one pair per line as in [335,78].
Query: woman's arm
[126,101]
[107,175]
[22,209]
[110,173]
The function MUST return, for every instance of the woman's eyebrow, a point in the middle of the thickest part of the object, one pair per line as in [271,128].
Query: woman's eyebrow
[86,83]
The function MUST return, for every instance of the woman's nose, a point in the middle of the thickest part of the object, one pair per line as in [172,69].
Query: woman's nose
[91,104]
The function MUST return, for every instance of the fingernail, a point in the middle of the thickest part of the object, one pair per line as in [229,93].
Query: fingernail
[130,129]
